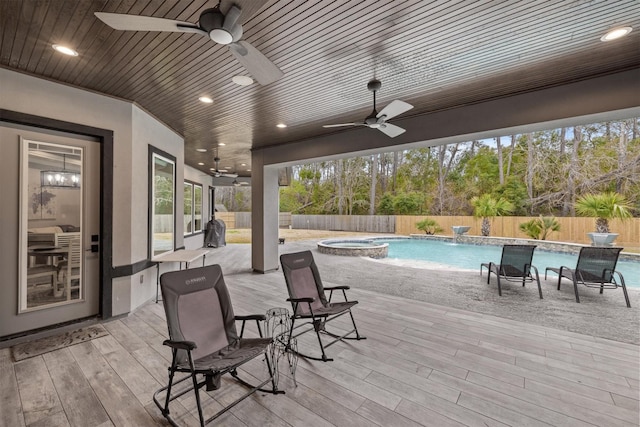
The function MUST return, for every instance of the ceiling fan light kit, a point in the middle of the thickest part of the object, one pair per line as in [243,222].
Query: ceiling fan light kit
[377,120]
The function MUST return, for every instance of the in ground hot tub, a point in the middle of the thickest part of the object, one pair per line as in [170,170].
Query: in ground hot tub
[354,247]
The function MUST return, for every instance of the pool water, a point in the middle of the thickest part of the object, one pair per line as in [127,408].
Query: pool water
[469,257]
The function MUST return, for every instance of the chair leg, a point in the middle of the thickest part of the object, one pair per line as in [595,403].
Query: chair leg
[575,288]
[353,321]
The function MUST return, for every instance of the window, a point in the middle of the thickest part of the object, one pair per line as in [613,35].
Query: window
[192,208]
[188,208]
[162,194]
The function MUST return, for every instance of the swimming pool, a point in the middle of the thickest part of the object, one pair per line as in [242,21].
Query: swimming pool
[469,257]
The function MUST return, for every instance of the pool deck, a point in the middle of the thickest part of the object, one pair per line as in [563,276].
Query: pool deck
[442,349]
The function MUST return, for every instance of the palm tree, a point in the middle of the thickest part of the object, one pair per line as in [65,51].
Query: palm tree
[487,207]
[539,228]
[604,206]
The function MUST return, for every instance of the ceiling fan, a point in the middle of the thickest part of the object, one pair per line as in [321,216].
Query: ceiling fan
[237,183]
[218,173]
[222,24]
[377,120]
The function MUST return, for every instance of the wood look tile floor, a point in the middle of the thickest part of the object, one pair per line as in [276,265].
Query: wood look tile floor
[421,365]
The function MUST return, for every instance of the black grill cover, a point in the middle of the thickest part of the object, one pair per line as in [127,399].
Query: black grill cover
[214,234]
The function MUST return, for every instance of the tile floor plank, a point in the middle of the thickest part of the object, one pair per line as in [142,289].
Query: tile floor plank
[11,413]
[118,401]
[37,392]
[81,405]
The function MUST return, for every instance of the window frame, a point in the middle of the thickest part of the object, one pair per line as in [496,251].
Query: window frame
[157,154]
[191,187]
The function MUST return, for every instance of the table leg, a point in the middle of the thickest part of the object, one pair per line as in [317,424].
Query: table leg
[157,280]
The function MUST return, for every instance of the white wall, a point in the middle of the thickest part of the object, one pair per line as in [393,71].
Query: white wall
[133,130]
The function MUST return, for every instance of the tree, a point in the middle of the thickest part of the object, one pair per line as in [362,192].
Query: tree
[603,206]
[487,207]
[429,226]
[540,228]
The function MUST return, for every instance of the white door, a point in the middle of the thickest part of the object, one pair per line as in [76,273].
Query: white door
[56,246]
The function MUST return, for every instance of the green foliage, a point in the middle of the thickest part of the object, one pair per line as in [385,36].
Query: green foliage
[407,204]
[429,226]
[539,228]
[603,207]
[542,172]
[385,207]
[487,207]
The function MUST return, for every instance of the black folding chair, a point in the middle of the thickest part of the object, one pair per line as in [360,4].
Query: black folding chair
[596,268]
[515,266]
[310,306]
[204,340]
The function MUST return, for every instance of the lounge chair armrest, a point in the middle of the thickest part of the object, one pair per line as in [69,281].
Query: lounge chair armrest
[180,345]
[252,317]
[301,299]
[337,288]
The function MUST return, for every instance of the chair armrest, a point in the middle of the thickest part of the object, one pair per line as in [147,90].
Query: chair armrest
[308,299]
[180,345]
[337,288]
[252,317]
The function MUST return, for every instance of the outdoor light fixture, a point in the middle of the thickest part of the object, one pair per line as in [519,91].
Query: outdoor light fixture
[616,33]
[242,80]
[60,178]
[206,100]
[281,125]
[65,50]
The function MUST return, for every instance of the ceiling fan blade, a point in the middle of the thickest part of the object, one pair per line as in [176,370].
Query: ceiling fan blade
[248,7]
[231,17]
[258,65]
[391,130]
[341,124]
[394,109]
[119,21]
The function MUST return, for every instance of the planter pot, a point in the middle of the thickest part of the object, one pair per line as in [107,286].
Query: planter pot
[602,239]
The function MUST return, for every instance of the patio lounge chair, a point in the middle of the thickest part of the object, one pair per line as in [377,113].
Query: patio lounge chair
[203,338]
[310,305]
[596,268]
[515,266]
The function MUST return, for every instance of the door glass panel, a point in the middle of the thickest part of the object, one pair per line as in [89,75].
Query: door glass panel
[51,251]
[162,201]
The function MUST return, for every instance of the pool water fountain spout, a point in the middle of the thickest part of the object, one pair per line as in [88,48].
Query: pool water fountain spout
[459,230]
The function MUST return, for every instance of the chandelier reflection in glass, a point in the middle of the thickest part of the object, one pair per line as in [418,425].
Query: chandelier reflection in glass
[60,178]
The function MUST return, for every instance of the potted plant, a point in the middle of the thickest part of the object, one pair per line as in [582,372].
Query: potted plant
[603,207]
[429,226]
[539,228]
[487,207]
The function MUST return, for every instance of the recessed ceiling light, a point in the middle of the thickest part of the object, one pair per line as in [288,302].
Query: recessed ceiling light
[66,50]
[242,80]
[206,99]
[212,169]
[243,164]
[281,125]
[616,33]
[248,170]
[201,150]
[200,163]
[221,144]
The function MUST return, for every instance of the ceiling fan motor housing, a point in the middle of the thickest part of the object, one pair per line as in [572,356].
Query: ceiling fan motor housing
[212,21]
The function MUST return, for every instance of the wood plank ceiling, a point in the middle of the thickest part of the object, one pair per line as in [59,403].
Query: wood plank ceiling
[432,54]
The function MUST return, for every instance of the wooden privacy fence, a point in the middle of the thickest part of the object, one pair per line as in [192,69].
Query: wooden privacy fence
[360,223]
[572,229]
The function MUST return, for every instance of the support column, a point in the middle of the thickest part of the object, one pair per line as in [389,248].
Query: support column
[264,215]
